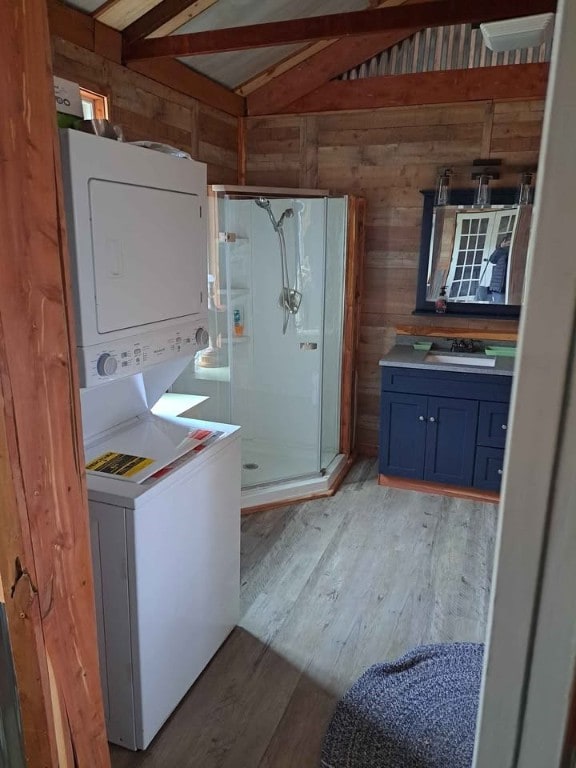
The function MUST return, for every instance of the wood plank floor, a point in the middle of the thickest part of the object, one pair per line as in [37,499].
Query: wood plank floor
[329,587]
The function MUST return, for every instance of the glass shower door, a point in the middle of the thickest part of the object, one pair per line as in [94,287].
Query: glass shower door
[276,361]
[273,366]
[333,330]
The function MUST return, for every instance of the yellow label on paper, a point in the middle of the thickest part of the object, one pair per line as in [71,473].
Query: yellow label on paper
[122,464]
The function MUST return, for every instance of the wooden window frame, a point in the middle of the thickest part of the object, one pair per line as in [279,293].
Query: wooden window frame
[99,103]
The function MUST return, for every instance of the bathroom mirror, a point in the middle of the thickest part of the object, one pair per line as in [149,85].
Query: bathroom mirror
[477,255]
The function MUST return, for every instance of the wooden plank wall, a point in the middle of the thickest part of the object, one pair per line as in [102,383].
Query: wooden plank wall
[387,156]
[150,111]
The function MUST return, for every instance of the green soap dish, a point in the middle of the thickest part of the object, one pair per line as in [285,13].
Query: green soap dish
[422,346]
[501,351]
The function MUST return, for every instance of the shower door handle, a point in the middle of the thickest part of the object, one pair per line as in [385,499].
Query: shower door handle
[305,345]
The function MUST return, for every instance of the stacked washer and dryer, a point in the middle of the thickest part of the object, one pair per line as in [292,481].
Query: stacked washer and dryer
[163,489]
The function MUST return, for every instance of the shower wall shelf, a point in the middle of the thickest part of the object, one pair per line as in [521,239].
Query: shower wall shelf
[234,293]
[235,339]
[231,238]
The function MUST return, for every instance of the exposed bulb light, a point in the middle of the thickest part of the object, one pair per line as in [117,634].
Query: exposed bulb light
[443,187]
[526,188]
[482,196]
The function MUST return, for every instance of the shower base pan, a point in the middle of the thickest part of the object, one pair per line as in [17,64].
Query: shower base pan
[304,487]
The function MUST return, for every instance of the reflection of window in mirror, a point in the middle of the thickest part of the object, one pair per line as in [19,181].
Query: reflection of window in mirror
[478,254]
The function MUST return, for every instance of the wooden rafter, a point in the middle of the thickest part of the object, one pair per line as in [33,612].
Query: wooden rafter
[119,14]
[312,73]
[291,61]
[165,18]
[514,81]
[338,25]
[176,75]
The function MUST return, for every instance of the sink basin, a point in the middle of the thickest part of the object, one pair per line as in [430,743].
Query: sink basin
[473,360]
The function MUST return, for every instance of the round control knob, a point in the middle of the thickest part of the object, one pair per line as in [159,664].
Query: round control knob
[202,338]
[106,365]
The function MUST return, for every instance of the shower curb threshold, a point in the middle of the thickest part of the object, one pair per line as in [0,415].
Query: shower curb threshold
[286,491]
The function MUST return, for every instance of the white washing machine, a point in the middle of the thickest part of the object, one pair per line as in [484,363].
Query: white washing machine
[166,560]
[163,489]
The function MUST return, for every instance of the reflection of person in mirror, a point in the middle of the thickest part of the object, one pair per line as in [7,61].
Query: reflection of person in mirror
[499,258]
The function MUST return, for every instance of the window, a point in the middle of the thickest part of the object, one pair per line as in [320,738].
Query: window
[94,105]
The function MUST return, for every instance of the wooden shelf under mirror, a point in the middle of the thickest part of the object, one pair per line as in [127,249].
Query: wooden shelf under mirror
[456,332]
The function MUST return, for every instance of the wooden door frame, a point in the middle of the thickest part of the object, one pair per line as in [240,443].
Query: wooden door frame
[45,563]
[353,288]
[530,660]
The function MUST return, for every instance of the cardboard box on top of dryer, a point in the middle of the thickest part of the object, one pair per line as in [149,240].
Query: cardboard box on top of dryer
[68,101]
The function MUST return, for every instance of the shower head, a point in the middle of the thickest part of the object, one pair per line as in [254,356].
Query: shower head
[288,213]
[262,202]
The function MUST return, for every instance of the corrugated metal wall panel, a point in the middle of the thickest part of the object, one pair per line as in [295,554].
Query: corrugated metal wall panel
[441,48]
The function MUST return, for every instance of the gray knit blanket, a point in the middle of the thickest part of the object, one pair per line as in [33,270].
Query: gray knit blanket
[416,712]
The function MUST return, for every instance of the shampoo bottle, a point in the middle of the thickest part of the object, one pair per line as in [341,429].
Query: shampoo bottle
[238,324]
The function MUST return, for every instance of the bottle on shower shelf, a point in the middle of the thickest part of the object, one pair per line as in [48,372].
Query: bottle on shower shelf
[238,324]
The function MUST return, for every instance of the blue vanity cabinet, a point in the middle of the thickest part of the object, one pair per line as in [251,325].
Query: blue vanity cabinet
[444,427]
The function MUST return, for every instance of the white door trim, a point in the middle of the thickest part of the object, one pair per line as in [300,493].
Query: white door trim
[521,650]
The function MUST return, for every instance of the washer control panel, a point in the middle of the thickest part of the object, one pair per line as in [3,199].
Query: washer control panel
[133,354]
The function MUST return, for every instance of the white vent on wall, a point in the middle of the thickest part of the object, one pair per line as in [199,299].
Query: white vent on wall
[526,32]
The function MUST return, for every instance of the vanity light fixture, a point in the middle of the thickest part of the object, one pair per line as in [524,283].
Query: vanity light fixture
[443,187]
[483,176]
[526,188]
[482,196]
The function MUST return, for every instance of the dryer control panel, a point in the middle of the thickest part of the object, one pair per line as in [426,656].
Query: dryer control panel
[132,354]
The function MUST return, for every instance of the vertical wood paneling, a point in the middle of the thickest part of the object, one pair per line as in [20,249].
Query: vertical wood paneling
[148,110]
[388,156]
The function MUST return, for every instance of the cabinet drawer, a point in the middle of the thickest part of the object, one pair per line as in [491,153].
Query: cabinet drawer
[488,468]
[493,424]
[423,381]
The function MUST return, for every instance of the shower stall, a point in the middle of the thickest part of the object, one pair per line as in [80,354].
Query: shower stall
[277,277]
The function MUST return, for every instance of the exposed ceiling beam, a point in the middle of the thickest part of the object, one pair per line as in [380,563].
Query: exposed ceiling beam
[165,18]
[319,69]
[513,81]
[119,14]
[338,25]
[181,78]
[70,24]
[274,71]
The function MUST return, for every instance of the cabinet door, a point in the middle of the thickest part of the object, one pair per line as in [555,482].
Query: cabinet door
[402,434]
[488,469]
[493,424]
[450,440]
